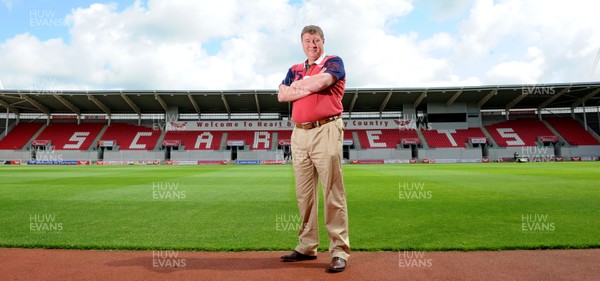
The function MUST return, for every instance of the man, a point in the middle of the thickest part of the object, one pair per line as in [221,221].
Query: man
[316,88]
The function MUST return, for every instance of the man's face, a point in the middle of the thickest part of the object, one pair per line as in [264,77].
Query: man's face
[312,45]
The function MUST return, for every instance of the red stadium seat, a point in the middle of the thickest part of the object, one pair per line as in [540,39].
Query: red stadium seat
[197,140]
[572,132]
[384,138]
[132,137]
[256,140]
[451,138]
[522,132]
[19,136]
[69,136]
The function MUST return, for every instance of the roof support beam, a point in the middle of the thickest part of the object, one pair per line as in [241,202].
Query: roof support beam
[99,104]
[226,104]
[583,99]
[454,97]
[9,107]
[553,98]
[385,102]
[36,104]
[354,98]
[161,101]
[194,103]
[67,103]
[257,104]
[516,100]
[131,104]
[487,97]
[420,99]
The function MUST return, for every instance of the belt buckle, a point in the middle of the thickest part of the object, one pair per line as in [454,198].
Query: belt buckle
[307,125]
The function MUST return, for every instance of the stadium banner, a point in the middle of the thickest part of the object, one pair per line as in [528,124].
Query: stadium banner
[5,162]
[277,125]
[46,162]
[248,162]
[397,161]
[408,141]
[575,158]
[273,162]
[477,140]
[587,158]
[548,138]
[212,162]
[236,143]
[171,143]
[83,162]
[485,160]
[107,143]
[412,161]
[368,161]
[40,142]
[471,160]
[285,142]
[445,161]
[120,163]
[429,161]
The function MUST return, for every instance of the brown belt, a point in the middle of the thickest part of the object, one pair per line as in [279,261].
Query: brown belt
[315,124]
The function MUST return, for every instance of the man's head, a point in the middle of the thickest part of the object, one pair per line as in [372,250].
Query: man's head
[312,42]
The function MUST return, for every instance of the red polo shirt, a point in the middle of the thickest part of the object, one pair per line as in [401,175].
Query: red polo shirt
[325,103]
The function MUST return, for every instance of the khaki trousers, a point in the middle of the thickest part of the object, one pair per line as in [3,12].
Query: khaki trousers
[317,155]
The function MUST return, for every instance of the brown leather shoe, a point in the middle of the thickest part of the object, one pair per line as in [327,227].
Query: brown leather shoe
[296,256]
[337,265]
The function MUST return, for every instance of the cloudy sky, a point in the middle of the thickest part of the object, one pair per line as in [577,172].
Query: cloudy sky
[231,44]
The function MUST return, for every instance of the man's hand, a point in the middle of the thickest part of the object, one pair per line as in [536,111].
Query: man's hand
[302,88]
[292,92]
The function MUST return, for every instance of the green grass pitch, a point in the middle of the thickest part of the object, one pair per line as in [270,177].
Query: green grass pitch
[234,208]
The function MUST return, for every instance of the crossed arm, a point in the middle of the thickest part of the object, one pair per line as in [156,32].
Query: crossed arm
[302,88]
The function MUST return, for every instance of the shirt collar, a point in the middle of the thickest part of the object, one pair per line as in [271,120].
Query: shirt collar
[318,61]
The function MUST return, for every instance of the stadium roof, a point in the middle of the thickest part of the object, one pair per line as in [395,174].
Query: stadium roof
[380,100]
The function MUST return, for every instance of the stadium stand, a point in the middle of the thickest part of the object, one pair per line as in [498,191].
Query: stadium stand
[196,140]
[255,140]
[451,138]
[572,131]
[520,132]
[131,137]
[385,138]
[19,136]
[284,135]
[69,136]
[220,122]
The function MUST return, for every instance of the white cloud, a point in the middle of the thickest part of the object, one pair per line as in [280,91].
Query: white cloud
[519,72]
[163,44]
[497,33]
